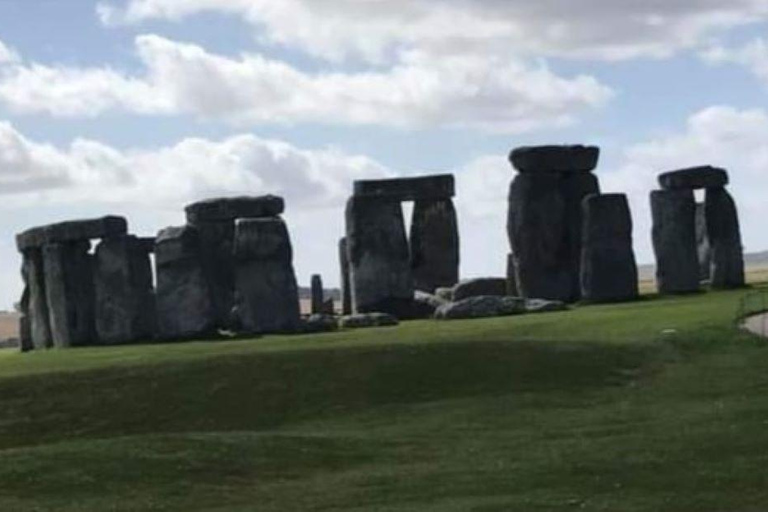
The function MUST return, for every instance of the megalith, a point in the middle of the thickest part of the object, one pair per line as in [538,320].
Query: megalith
[183,301]
[316,289]
[544,222]
[702,243]
[608,266]
[215,220]
[267,298]
[434,244]
[723,232]
[34,301]
[125,301]
[674,240]
[346,291]
[379,258]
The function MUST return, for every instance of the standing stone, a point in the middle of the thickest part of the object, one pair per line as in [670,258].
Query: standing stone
[608,266]
[318,305]
[575,187]
[125,303]
[267,292]
[511,277]
[33,272]
[674,241]
[725,239]
[346,291]
[702,243]
[434,244]
[70,293]
[183,304]
[379,259]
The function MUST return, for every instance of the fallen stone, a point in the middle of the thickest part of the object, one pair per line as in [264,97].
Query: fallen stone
[481,307]
[694,178]
[183,299]
[441,186]
[70,293]
[555,158]
[674,241]
[379,257]
[444,294]
[425,304]
[319,323]
[230,209]
[608,267]
[544,306]
[367,320]
[724,236]
[72,231]
[487,286]
[125,301]
[267,294]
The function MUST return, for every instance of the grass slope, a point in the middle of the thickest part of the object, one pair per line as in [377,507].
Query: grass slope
[597,409]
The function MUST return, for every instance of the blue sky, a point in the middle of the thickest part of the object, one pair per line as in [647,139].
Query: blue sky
[137,107]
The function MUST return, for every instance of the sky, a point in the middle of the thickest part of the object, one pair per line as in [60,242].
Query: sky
[139,107]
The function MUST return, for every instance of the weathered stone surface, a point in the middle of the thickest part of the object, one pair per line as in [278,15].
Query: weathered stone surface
[481,307]
[544,227]
[434,244]
[70,293]
[425,304]
[694,178]
[702,244]
[33,273]
[216,249]
[544,306]
[319,323]
[72,231]
[125,301]
[725,239]
[486,286]
[317,294]
[441,186]
[367,320]
[511,277]
[674,241]
[445,294]
[555,158]
[329,307]
[25,334]
[267,294]
[230,209]
[183,300]
[608,266]
[379,259]
[346,286]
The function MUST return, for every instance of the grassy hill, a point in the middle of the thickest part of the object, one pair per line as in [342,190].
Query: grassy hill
[660,405]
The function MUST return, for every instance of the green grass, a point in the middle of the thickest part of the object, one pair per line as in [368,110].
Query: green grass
[660,405]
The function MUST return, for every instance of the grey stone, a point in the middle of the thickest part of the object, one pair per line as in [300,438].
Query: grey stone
[486,286]
[511,277]
[694,178]
[674,241]
[25,334]
[267,294]
[317,295]
[379,259]
[125,301]
[329,307]
[36,305]
[544,228]
[544,306]
[608,267]
[425,304]
[182,297]
[481,307]
[230,209]
[702,244]
[319,323]
[70,293]
[72,231]
[346,290]
[216,252]
[441,186]
[555,158]
[725,238]
[367,320]
[434,244]
[445,294]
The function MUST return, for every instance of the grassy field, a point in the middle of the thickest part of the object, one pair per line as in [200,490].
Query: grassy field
[661,405]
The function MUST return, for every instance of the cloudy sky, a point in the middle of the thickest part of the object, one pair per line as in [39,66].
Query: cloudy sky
[138,107]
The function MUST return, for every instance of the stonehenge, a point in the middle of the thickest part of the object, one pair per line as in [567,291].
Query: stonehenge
[544,223]
[383,264]
[694,242]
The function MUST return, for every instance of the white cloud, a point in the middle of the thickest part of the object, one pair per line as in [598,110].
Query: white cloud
[375,29]
[457,91]
[753,56]
[7,54]
[721,136]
